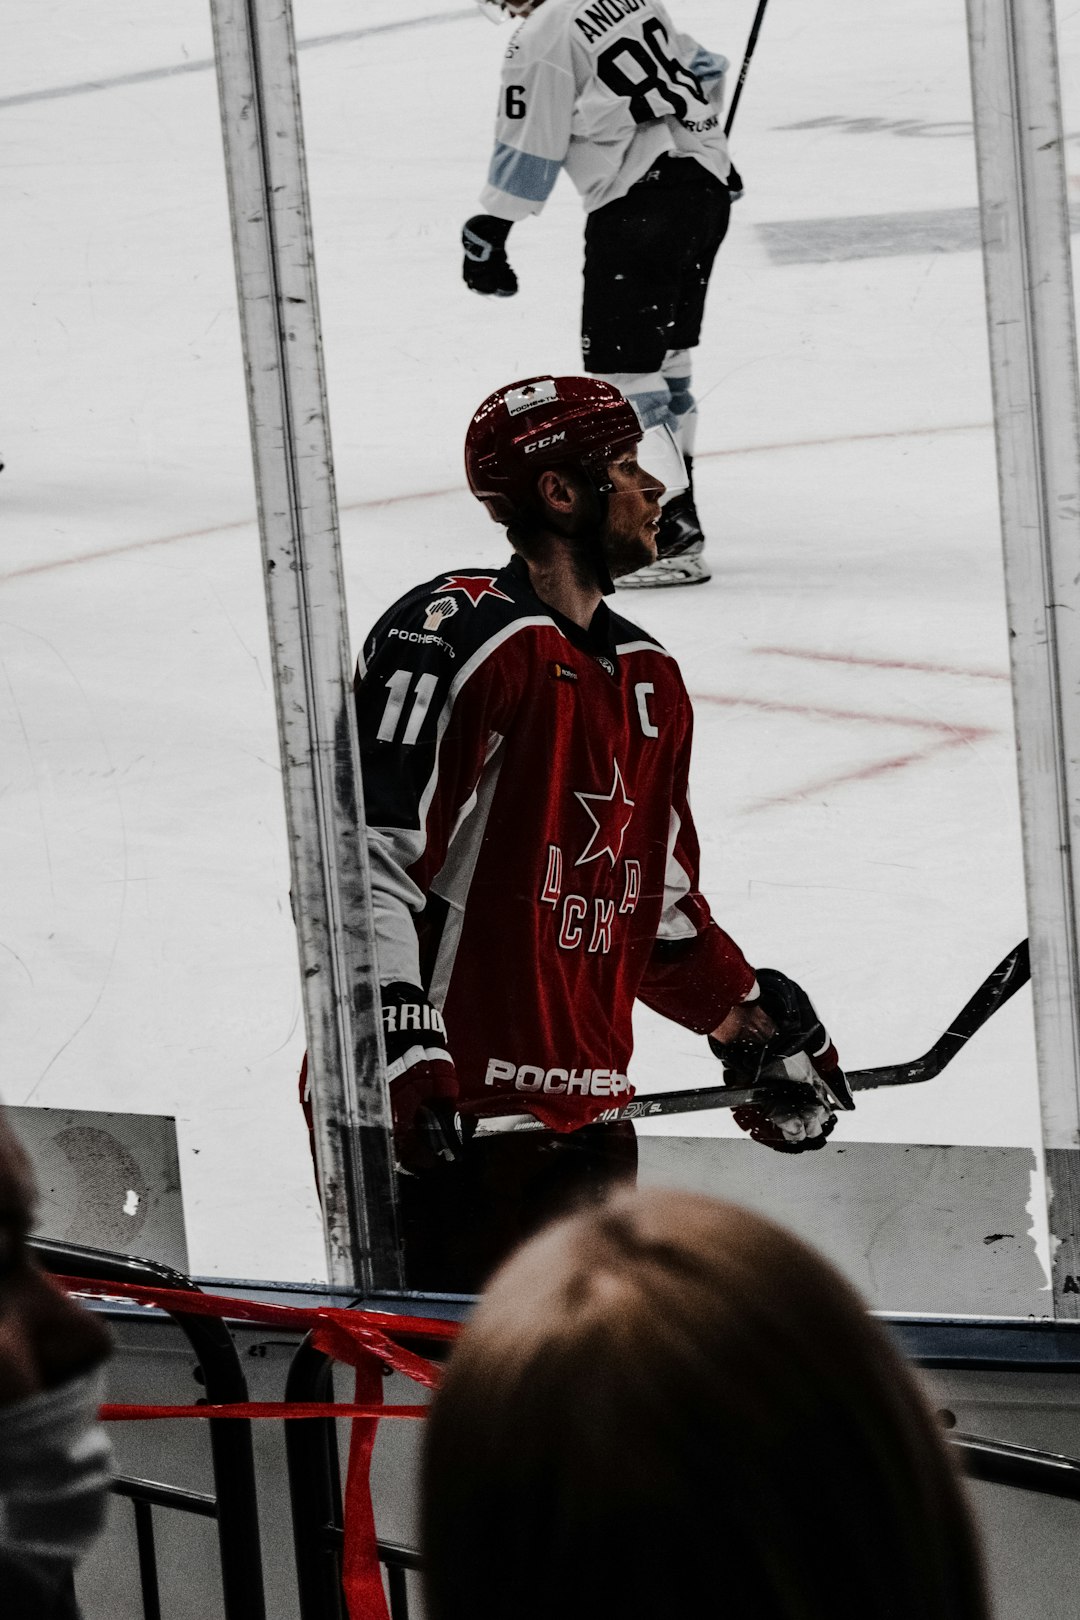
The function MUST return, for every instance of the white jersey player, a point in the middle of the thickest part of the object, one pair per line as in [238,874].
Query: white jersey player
[630,106]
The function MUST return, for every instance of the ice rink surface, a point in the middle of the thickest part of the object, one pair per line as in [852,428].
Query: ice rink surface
[854,776]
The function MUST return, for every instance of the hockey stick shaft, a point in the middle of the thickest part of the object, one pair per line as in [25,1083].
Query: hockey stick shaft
[744,70]
[996,989]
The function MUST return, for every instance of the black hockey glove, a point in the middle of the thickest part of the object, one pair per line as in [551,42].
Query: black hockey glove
[422,1077]
[799,1060]
[734,184]
[486,268]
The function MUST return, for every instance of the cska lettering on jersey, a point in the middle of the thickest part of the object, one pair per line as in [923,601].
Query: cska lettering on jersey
[556,1082]
[588,923]
[596,19]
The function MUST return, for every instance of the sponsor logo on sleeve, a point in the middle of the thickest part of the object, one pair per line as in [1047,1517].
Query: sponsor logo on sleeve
[421,638]
[443,607]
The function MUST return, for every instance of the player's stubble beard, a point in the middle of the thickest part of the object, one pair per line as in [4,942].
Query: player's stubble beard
[626,555]
[626,548]
[604,535]
[619,553]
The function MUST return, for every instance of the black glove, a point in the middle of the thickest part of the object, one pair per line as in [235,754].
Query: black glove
[734,184]
[486,268]
[423,1080]
[799,1061]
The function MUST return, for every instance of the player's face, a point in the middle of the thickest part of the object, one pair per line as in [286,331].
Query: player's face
[633,515]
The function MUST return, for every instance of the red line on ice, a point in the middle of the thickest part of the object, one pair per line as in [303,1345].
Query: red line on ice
[214,528]
[865,773]
[819,712]
[847,438]
[949,735]
[454,489]
[883,663]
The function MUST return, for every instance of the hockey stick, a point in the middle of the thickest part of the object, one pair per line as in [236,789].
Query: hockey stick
[744,70]
[996,989]
[1009,976]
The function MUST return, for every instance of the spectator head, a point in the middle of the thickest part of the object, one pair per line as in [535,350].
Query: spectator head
[54,1454]
[672,1406]
[45,1337]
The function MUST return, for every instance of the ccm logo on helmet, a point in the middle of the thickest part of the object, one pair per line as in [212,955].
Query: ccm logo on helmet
[542,444]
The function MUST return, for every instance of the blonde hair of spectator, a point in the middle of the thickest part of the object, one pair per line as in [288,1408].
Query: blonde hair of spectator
[672,1406]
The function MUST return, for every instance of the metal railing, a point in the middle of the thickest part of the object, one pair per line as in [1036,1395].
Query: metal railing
[234,1503]
[146,1494]
[314,1468]
[315,1493]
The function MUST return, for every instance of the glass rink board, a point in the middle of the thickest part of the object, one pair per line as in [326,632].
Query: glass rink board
[854,773]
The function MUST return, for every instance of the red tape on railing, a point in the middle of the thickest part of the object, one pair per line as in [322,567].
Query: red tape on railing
[112,1413]
[360,1339]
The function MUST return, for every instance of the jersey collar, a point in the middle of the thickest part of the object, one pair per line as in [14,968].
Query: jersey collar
[598,640]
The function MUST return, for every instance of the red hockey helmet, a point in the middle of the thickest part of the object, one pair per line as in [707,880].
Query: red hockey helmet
[543,422]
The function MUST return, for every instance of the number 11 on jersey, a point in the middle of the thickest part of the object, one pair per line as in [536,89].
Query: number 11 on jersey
[398,686]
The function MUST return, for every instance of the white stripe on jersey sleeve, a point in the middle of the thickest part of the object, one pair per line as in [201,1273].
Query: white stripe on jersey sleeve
[394,899]
[675,924]
[453,883]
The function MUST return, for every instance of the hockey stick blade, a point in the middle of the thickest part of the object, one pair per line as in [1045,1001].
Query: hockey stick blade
[1010,975]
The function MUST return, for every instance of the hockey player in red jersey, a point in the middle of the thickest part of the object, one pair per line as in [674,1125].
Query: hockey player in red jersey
[525,753]
[630,106]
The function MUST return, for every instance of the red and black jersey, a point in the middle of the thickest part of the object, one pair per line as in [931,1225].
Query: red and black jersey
[533,859]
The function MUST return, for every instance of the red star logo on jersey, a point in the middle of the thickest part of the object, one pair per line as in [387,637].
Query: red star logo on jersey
[610,814]
[474,586]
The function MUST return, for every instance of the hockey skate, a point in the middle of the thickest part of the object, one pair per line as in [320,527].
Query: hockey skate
[680,545]
[689,568]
